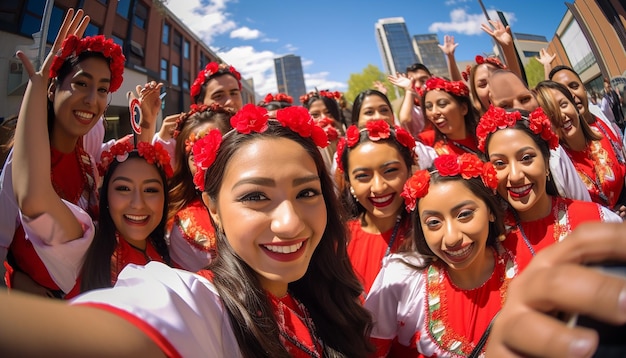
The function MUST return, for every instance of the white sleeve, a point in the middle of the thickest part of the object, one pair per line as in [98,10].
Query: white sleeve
[9,211]
[183,309]
[63,259]
[425,155]
[566,179]
[92,141]
[169,145]
[605,115]
[608,215]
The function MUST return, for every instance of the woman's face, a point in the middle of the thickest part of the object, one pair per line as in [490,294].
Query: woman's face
[136,199]
[377,173]
[522,172]
[80,99]
[568,125]
[372,108]
[568,79]
[271,209]
[506,90]
[455,223]
[445,113]
[318,109]
[481,83]
[225,91]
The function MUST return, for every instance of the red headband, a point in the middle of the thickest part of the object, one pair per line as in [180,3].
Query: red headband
[209,70]
[457,88]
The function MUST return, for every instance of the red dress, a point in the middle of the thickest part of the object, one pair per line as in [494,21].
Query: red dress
[366,250]
[449,146]
[125,254]
[536,235]
[73,178]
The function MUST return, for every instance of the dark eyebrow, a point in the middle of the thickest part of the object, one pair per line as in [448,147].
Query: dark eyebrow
[521,150]
[271,183]
[90,76]
[147,181]
[455,208]
[386,164]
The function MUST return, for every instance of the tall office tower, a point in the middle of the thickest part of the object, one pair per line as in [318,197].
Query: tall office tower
[426,47]
[290,77]
[394,44]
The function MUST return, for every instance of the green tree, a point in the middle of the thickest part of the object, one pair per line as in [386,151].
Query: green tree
[534,72]
[365,80]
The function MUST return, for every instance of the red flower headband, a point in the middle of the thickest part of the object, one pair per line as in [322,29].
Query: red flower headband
[497,118]
[199,108]
[457,88]
[250,119]
[467,165]
[280,97]
[153,154]
[336,95]
[376,130]
[209,70]
[328,125]
[73,46]
[494,61]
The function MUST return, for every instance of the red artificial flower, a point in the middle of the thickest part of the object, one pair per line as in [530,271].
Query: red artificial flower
[377,130]
[250,118]
[447,165]
[352,136]
[490,176]
[457,88]
[299,120]
[204,153]
[341,145]
[415,187]
[471,166]
[494,119]
[268,98]
[209,70]
[405,138]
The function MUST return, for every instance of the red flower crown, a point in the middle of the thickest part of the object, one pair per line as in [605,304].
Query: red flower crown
[376,130]
[279,97]
[153,154]
[466,165]
[457,88]
[209,70]
[497,118]
[73,46]
[336,95]
[250,119]
[328,125]
[199,108]
[479,61]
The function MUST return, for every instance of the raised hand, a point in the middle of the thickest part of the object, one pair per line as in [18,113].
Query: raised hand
[448,46]
[545,58]
[498,31]
[402,80]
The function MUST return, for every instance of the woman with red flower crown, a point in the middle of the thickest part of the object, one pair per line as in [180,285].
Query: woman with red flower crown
[375,162]
[190,233]
[518,144]
[56,225]
[448,107]
[437,296]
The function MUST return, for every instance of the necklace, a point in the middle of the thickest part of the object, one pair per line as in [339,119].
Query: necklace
[394,234]
[561,224]
[285,314]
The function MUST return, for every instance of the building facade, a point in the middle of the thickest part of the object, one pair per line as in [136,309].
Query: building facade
[426,47]
[157,46]
[394,44]
[290,77]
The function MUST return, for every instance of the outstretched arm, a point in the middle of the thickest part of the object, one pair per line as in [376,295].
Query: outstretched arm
[31,154]
[406,109]
[503,36]
[546,60]
[448,48]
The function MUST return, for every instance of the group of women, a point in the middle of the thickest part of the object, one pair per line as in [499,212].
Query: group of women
[275,230]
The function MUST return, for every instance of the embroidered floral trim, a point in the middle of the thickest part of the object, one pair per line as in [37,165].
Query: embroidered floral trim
[376,130]
[250,119]
[466,165]
[153,154]
[195,225]
[73,46]
[497,118]
[209,70]
[457,88]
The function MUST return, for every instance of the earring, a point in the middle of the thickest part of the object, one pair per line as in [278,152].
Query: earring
[501,237]
[353,194]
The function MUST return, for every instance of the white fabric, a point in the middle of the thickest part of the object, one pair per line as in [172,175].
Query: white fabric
[9,210]
[184,254]
[567,181]
[183,307]
[609,216]
[63,259]
[598,112]
[425,155]
[169,145]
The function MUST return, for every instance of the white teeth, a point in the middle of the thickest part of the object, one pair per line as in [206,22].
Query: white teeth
[284,249]
[85,115]
[520,189]
[461,252]
[382,199]
[137,217]
[567,125]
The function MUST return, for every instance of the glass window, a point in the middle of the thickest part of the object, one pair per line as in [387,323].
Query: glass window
[178,39]
[141,15]
[123,8]
[186,81]
[164,66]
[166,33]
[186,49]
[118,40]
[36,6]
[175,75]
[92,30]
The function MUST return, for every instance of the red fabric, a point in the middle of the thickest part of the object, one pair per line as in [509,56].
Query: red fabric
[126,254]
[427,136]
[290,318]
[366,251]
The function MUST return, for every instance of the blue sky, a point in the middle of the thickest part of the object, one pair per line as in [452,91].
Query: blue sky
[335,38]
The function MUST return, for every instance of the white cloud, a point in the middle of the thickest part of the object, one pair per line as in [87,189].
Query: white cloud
[467,24]
[245,33]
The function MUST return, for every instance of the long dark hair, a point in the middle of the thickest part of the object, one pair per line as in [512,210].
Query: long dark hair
[470,118]
[96,271]
[478,188]
[329,289]
[358,103]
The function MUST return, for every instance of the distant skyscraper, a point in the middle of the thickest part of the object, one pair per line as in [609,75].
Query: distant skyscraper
[394,44]
[290,77]
[430,55]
